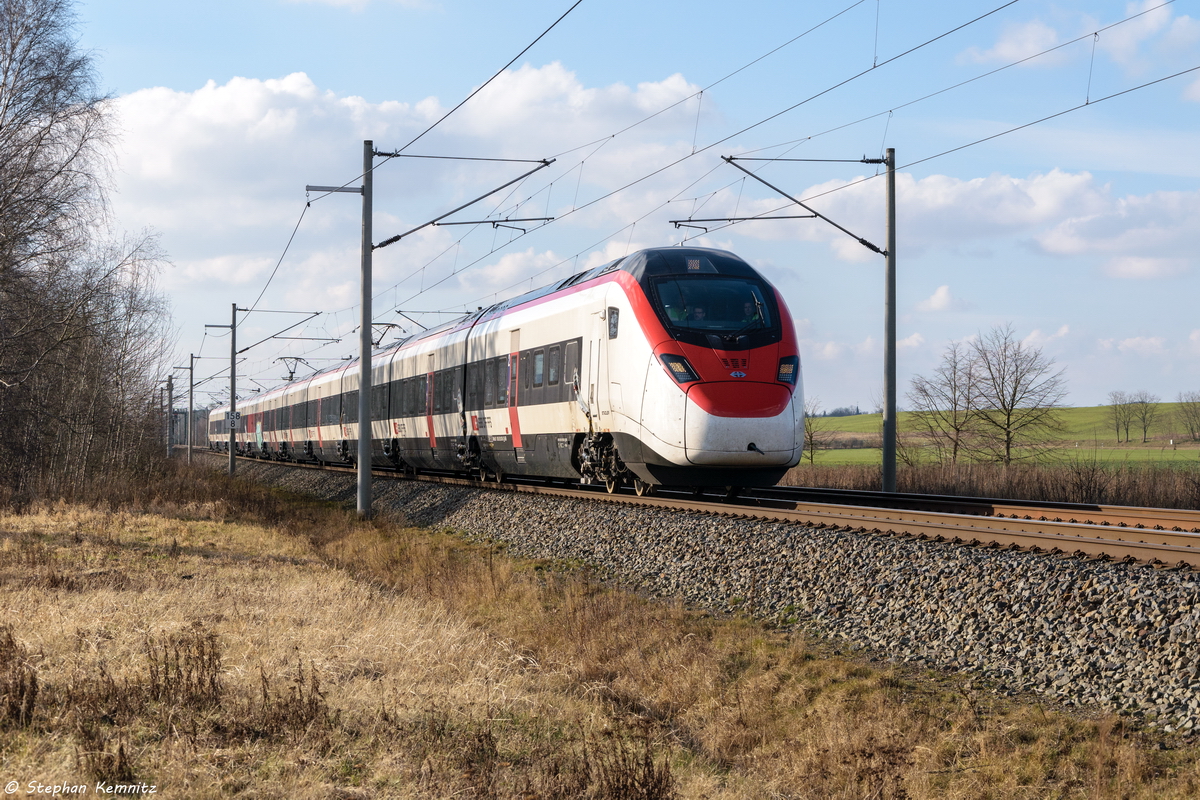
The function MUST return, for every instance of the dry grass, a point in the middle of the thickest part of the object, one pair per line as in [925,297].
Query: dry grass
[1083,481]
[320,657]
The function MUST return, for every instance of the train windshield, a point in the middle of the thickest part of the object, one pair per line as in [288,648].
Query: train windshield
[713,305]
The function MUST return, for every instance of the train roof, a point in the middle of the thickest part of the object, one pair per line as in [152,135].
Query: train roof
[640,265]
[643,263]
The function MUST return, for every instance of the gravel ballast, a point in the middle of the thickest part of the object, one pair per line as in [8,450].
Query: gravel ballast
[1115,636]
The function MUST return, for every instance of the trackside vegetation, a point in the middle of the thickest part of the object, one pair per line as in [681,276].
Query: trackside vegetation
[1081,463]
[83,330]
[214,638]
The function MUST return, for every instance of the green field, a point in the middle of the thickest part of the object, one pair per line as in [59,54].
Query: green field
[1088,434]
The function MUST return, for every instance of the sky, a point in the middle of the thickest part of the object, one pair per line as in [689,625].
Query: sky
[1047,175]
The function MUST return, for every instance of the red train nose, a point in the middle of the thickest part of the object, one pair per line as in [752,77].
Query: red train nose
[740,398]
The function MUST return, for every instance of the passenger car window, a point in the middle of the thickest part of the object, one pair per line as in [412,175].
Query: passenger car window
[555,365]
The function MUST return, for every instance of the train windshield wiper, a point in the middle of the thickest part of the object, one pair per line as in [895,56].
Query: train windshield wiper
[756,322]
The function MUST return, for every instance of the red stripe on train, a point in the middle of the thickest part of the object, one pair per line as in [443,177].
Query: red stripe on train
[514,422]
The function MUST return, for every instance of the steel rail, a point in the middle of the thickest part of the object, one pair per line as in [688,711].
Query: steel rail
[1088,539]
[1181,520]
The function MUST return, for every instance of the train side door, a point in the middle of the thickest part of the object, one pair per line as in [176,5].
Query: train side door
[598,398]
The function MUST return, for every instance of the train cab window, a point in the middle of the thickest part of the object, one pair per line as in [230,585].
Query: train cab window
[614,319]
[539,366]
[554,365]
[726,306]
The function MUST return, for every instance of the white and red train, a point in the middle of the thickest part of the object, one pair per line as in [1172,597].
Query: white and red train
[673,366]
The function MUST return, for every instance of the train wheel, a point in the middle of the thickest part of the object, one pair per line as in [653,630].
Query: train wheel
[611,485]
[641,488]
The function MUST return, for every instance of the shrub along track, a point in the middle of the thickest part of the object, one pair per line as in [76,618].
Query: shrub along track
[1096,631]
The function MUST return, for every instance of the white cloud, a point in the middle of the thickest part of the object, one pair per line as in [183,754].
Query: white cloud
[868,347]
[1018,42]
[910,342]
[1141,268]
[1038,339]
[825,351]
[1184,35]
[1143,345]
[1124,43]
[1150,236]
[936,211]
[940,300]
[512,267]
[1192,92]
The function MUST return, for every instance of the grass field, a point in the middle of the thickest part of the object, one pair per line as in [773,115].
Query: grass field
[214,639]
[1088,434]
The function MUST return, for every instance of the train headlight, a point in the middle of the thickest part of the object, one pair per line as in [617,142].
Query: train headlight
[789,368]
[679,368]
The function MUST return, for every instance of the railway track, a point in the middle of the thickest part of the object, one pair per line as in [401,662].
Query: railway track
[1153,536]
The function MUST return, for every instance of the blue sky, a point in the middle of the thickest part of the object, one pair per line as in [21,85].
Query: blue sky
[1078,230]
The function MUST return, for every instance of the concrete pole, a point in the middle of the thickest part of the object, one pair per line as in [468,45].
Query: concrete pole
[233,391]
[889,334]
[162,402]
[191,405]
[364,374]
[170,414]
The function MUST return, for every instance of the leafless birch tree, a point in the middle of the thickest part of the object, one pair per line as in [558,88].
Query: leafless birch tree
[1144,409]
[1189,413]
[1018,394]
[816,431]
[81,326]
[944,405]
[1120,411]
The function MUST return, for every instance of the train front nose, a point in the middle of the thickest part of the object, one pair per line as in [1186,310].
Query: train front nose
[741,424]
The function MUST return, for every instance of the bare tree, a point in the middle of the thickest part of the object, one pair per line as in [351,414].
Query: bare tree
[816,432]
[1018,394]
[944,405]
[1120,411]
[53,137]
[1144,409]
[81,326]
[1189,413]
